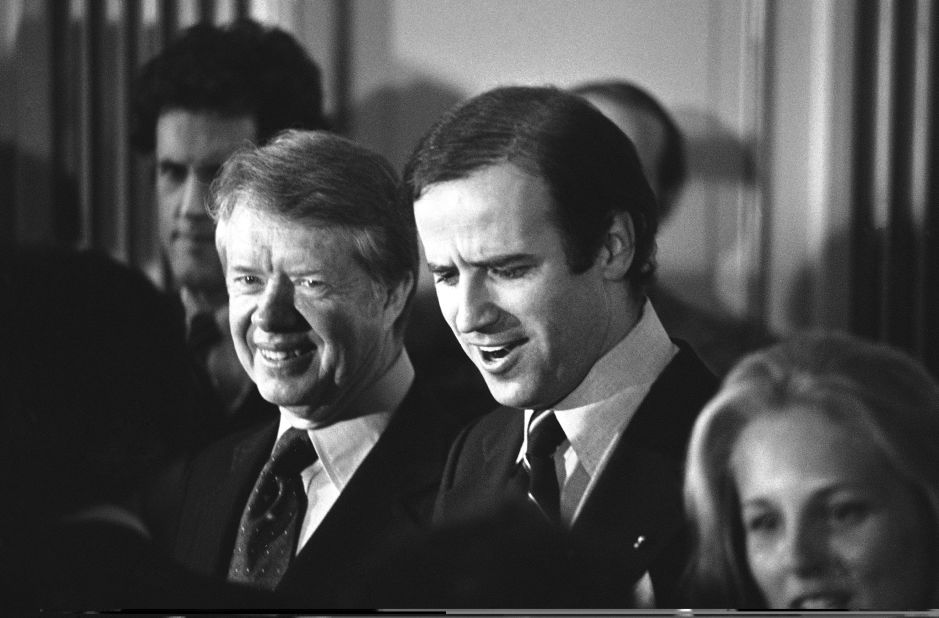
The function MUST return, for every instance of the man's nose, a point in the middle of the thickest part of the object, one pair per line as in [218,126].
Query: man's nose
[476,308]
[276,311]
[195,194]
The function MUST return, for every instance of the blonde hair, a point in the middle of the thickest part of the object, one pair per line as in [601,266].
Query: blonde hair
[880,392]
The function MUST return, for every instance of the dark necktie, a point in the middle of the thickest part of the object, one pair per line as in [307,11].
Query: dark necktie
[544,437]
[267,534]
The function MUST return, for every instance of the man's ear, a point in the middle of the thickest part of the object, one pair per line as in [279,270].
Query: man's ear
[619,247]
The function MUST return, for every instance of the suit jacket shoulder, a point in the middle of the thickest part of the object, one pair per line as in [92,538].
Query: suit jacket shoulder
[194,505]
[388,501]
[633,517]
[389,496]
[635,514]
[480,476]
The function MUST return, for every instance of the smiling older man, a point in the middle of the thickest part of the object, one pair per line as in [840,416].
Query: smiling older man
[320,266]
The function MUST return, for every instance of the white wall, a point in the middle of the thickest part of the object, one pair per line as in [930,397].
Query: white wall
[761,89]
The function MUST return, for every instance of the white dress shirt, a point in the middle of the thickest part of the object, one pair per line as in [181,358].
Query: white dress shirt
[595,414]
[341,447]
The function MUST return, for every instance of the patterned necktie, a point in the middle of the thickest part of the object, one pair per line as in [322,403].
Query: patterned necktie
[544,437]
[267,534]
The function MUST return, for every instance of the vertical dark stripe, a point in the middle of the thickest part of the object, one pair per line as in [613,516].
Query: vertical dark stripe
[169,19]
[865,248]
[930,279]
[66,205]
[241,9]
[206,12]
[901,246]
[130,199]
[759,288]
[92,136]
[342,52]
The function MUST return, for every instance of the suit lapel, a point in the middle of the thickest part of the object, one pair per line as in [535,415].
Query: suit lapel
[491,479]
[390,494]
[637,504]
[500,450]
[221,483]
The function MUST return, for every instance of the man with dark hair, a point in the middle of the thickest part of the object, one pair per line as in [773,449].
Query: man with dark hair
[320,264]
[539,228]
[719,339]
[207,93]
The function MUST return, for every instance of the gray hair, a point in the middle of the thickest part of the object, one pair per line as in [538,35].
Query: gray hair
[321,179]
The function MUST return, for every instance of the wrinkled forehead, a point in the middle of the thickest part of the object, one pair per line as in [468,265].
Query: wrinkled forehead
[252,233]
[192,134]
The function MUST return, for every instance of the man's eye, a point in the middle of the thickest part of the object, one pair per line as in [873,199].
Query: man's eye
[172,172]
[246,280]
[445,277]
[510,272]
[313,284]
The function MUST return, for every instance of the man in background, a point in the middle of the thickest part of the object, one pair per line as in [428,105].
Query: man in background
[207,93]
[719,339]
[539,229]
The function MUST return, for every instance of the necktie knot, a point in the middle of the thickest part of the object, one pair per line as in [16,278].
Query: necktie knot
[292,453]
[544,434]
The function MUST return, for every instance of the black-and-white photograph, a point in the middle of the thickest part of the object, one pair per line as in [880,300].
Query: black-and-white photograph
[530,307]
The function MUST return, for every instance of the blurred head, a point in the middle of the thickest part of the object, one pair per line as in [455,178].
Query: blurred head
[320,265]
[539,228]
[657,137]
[813,479]
[98,391]
[195,103]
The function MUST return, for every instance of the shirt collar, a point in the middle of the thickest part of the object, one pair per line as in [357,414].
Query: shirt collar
[342,446]
[595,413]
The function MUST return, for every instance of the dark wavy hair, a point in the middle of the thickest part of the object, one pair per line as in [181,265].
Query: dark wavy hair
[243,68]
[590,167]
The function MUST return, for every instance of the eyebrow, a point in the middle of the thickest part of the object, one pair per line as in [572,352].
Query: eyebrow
[242,268]
[210,166]
[756,502]
[494,261]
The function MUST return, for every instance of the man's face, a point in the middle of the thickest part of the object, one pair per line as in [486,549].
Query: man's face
[533,328]
[310,327]
[190,148]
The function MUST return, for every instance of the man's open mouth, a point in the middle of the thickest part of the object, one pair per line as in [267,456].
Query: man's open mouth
[493,354]
[281,355]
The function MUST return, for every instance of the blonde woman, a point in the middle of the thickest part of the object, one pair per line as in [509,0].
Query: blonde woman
[813,480]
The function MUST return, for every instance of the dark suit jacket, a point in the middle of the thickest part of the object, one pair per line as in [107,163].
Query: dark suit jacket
[388,498]
[633,520]
[101,565]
